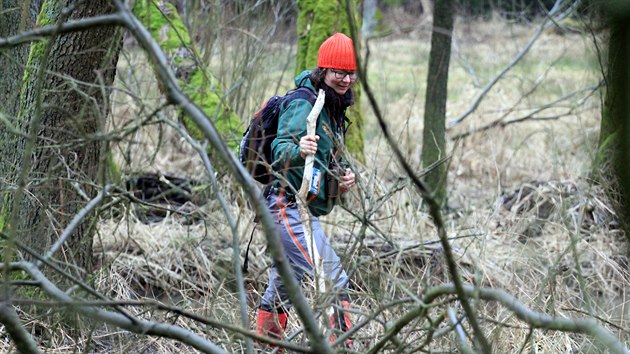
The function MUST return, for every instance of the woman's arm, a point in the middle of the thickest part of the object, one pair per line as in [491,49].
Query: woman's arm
[291,128]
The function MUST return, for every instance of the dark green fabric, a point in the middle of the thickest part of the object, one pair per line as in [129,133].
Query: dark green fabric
[286,150]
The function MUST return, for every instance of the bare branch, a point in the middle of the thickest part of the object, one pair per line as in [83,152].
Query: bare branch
[501,122]
[176,96]
[434,210]
[156,305]
[238,272]
[138,326]
[66,27]
[60,271]
[533,319]
[22,339]
[76,221]
[559,5]
[457,324]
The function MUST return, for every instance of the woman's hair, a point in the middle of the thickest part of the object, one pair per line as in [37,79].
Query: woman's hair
[335,103]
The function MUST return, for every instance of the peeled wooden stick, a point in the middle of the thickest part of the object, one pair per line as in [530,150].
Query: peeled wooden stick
[311,124]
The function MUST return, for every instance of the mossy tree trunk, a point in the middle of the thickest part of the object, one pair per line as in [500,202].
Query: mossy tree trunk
[615,124]
[12,62]
[614,100]
[168,29]
[318,20]
[54,165]
[16,17]
[434,134]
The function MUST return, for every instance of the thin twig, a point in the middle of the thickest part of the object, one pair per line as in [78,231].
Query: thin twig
[238,272]
[61,272]
[531,116]
[522,312]
[75,222]
[434,211]
[37,34]
[548,22]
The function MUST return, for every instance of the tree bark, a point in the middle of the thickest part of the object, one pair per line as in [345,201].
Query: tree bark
[318,20]
[16,16]
[434,141]
[615,129]
[12,61]
[63,107]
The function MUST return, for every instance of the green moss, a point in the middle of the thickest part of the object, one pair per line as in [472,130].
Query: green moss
[226,122]
[378,17]
[604,151]
[318,20]
[3,215]
[355,135]
[112,172]
[164,24]
[306,14]
[49,14]
[34,58]
[167,28]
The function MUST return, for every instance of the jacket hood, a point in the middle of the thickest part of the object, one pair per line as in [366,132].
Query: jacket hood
[302,80]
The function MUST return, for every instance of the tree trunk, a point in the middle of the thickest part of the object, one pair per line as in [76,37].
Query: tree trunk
[614,99]
[434,141]
[12,61]
[615,127]
[318,20]
[168,29]
[16,16]
[369,17]
[63,109]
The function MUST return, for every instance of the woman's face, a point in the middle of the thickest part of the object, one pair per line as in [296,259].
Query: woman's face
[340,80]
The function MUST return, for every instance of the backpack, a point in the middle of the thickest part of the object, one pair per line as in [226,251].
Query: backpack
[255,146]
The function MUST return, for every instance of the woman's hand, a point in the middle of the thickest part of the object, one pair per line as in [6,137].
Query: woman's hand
[308,145]
[347,181]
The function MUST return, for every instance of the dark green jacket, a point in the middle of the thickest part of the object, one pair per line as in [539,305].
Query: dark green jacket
[286,149]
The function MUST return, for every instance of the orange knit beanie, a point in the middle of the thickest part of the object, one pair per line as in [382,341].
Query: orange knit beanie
[337,52]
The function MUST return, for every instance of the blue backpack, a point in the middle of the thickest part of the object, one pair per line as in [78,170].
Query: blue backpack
[255,146]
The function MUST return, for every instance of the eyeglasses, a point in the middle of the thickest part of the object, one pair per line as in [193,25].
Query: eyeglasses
[340,75]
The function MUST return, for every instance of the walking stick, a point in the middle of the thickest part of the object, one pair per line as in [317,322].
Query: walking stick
[311,124]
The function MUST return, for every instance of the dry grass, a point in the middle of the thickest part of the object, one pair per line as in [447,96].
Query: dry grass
[524,217]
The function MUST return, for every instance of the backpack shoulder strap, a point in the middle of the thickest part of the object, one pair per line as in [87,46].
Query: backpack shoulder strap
[301,92]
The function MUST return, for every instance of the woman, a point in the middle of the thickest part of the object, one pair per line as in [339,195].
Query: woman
[335,74]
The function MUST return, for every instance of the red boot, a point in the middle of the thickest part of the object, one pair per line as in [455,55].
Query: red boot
[271,324]
[340,322]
